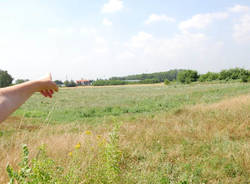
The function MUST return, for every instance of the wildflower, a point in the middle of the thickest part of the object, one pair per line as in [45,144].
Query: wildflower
[102,142]
[88,132]
[77,146]
[70,154]
[99,136]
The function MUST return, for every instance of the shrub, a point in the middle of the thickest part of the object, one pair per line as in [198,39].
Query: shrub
[232,74]
[39,170]
[69,83]
[105,167]
[210,76]
[187,76]
[166,82]
[245,76]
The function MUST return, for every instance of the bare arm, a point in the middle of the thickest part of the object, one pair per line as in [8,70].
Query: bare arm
[13,97]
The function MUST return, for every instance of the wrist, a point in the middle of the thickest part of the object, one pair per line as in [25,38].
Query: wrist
[35,86]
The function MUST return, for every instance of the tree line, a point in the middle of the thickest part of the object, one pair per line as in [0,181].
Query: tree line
[159,76]
[189,76]
[181,75]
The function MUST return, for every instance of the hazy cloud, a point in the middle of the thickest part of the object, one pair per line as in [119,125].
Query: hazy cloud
[156,53]
[139,40]
[201,21]
[106,22]
[156,18]
[239,9]
[242,29]
[112,6]
[61,31]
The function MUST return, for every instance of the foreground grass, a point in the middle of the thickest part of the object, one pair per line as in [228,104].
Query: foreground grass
[204,143]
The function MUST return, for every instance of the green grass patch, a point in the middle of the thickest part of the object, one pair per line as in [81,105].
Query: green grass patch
[81,104]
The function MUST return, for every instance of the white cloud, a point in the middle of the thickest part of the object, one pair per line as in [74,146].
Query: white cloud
[155,18]
[242,29]
[92,52]
[88,31]
[184,50]
[147,41]
[100,40]
[201,21]
[106,22]
[139,40]
[141,36]
[112,6]
[61,31]
[239,9]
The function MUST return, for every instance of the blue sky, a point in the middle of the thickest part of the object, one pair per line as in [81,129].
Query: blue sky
[76,39]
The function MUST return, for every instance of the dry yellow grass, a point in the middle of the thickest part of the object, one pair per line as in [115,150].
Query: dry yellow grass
[209,137]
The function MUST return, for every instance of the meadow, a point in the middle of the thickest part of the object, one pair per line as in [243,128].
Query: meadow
[196,133]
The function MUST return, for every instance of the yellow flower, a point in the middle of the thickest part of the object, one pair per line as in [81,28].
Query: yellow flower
[99,136]
[102,142]
[77,146]
[88,132]
[70,154]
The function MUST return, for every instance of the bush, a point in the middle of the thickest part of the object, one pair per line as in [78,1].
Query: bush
[166,82]
[245,76]
[39,170]
[210,76]
[187,76]
[108,167]
[232,74]
[70,83]
[105,167]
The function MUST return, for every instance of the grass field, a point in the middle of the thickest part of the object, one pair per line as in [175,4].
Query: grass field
[198,133]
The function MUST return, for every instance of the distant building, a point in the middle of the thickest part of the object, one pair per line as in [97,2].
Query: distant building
[84,82]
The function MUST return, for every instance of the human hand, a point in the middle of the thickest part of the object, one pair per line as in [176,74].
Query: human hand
[47,87]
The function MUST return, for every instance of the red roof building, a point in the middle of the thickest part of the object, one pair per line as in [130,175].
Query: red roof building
[84,82]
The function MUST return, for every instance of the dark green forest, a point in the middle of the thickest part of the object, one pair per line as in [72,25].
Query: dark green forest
[160,76]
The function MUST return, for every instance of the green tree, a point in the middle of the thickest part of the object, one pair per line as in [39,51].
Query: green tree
[58,82]
[161,76]
[245,76]
[19,81]
[187,76]
[5,79]
[232,74]
[209,76]
[69,83]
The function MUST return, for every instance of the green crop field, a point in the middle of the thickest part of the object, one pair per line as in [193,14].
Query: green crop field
[87,104]
[197,133]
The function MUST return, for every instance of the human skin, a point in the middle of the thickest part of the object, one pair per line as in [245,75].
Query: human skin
[11,98]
